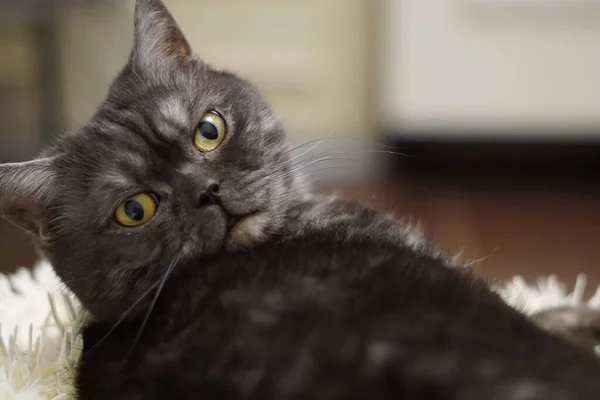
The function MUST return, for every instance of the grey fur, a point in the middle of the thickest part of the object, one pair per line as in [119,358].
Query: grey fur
[274,294]
[137,141]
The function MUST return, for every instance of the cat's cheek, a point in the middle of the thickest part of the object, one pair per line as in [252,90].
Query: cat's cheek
[248,232]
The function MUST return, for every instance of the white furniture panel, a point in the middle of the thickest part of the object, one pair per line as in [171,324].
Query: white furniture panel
[452,65]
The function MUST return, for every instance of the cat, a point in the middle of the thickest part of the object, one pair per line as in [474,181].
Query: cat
[210,271]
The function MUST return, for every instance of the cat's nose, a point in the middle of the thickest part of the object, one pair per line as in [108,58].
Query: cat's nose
[210,197]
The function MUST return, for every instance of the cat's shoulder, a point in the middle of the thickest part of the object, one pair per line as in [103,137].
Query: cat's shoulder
[342,220]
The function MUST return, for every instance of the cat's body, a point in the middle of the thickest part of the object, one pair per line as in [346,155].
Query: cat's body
[338,310]
[177,217]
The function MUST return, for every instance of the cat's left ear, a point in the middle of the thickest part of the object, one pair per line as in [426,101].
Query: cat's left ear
[158,40]
[26,190]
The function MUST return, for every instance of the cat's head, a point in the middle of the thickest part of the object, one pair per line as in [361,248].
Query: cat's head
[179,162]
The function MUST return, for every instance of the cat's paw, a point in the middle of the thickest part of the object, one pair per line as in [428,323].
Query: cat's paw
[578,324]
[249,231]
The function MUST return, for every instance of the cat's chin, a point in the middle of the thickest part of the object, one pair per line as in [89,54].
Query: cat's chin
[207,236]
[248,231]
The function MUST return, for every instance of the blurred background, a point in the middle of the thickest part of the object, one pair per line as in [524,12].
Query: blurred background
[496,104]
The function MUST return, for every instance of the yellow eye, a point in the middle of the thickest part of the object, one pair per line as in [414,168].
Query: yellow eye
[210,132]
[137,210]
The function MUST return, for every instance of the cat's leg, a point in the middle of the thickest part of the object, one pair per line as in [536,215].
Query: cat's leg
[578,324]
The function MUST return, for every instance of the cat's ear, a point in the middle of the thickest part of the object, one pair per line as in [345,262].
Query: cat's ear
[26,190]
[158,41]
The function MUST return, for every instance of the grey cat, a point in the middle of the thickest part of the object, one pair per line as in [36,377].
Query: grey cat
[211,272]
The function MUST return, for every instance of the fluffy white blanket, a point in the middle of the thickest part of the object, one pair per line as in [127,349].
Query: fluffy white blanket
[39,346]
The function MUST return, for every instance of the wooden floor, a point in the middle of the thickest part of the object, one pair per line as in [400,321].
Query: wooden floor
[513,226]
[531,233]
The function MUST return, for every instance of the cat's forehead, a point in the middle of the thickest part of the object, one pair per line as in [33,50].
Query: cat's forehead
[145,128]
[183,89]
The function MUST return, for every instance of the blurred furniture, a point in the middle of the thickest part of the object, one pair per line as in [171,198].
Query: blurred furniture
[310,57]
[485,70]
[20,105]
[31,95]
[31,102]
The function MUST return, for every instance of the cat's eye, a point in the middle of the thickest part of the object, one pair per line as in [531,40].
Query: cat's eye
[210,132]
[137,210]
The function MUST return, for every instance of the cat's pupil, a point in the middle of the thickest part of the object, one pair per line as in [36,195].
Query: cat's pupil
[209,130]
[134,210]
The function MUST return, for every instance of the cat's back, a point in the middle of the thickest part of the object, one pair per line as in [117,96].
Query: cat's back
[328,312]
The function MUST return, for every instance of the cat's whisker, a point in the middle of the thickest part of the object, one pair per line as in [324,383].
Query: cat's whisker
[317,142]
[283,170]
[358,143]
[291,162]
[295,161]
[92,350]
[373,151]
[396,153]
[323,155]
[314,146]
[301,146]
[345,139]
[294,170]
[294,165]
[297,169]
[320,140]
[312,174]
[152,304]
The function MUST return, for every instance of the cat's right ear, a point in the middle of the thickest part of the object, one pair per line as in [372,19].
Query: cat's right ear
[26,190]
[158,41]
